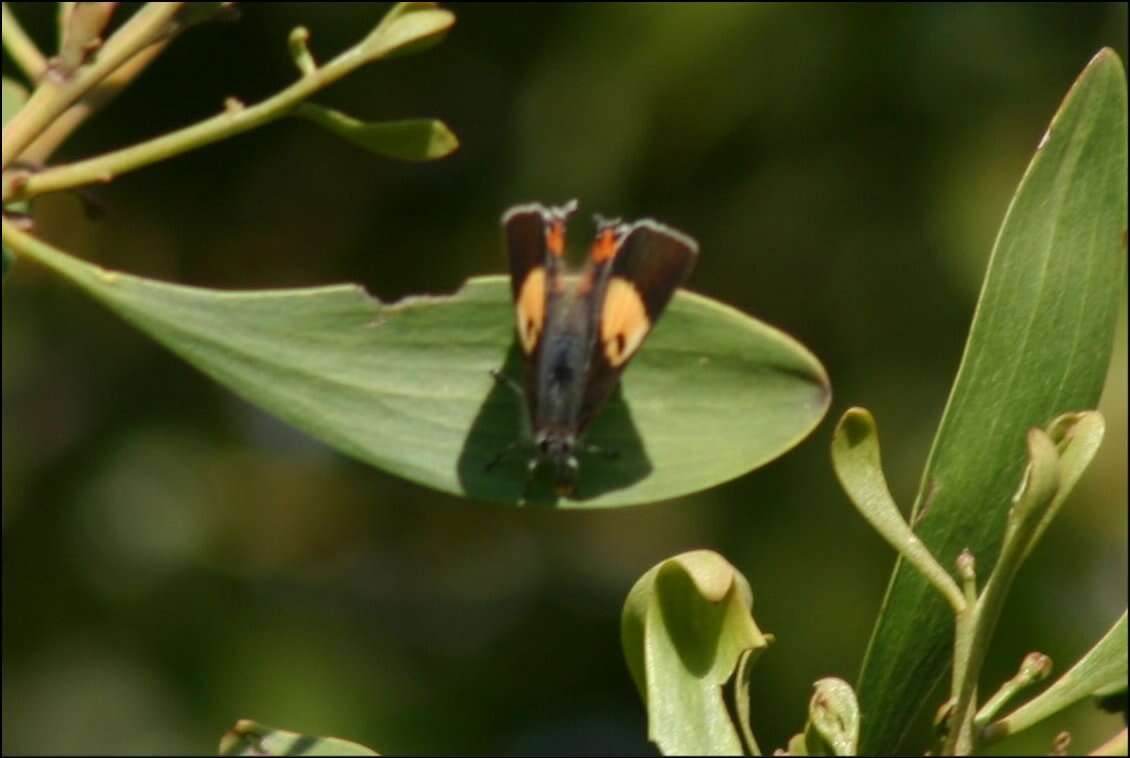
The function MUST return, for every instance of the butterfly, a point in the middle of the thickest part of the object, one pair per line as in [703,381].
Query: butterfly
[578,333]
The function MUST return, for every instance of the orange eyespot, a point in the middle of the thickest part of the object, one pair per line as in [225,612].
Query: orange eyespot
[530,309]
[623,321]
[555,238]
[604,247]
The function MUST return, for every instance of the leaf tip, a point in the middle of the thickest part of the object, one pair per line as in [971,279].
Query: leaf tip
[407,28]
[1105,56]
[712,574]
[856,425]
[233,738]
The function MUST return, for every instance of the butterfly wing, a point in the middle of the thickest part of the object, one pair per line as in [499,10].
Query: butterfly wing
[535,245]
[633,273]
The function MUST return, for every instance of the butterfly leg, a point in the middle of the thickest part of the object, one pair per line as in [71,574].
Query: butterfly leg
[519,444]
[497,459]
[507,381]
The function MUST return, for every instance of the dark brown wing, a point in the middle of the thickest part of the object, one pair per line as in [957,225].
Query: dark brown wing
[633,273]
[535,244]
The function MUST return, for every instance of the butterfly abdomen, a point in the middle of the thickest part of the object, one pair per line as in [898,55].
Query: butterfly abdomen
[561,378]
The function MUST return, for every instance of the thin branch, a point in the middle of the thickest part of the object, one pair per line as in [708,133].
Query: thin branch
[975,628]
[54,135]
[23,50]
[234,120]
[408,26]
[54,95]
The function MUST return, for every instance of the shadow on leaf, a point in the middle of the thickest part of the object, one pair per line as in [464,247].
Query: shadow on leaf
[501,420]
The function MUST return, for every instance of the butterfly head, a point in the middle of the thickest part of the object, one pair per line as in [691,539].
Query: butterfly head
[558,450]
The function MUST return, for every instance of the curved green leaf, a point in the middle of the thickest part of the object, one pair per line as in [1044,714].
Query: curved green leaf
[407,28]
[250,738]
[1100,672]
[855,457]
[685,625]
[833,714]
[1039,346]
[406,387]
[416,139]
[1077,437]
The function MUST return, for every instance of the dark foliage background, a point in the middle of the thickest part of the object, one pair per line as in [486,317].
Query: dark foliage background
[174,559]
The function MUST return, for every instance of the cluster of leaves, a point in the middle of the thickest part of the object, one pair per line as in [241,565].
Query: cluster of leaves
[1011,445]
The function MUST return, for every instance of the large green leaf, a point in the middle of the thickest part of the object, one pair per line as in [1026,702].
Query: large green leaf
[406,387]
[686,625]
[250,738]
[1039,346]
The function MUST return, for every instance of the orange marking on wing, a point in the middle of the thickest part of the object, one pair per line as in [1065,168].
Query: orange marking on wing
[530,309]
[555,238]
[604,248]
[623,321]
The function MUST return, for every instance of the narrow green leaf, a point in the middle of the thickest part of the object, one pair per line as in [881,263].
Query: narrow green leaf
[1101,671]
[1039,346]
[407,28]
[417,139]
[406,387]
[855,457]
[250,738]
[686,622]
[834,714]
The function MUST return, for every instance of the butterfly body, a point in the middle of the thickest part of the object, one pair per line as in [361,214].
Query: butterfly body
[577,334]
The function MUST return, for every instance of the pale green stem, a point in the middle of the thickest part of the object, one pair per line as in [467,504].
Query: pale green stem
[55,94]
[959,738]
[21,47]
[27,245]
[975,627]
[62,18]
[1034,668]
[54,135]
[299,35]
[975,633]
[922,559]
[233,121]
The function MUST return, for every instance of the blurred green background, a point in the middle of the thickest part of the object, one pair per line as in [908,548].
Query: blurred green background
[175,559]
